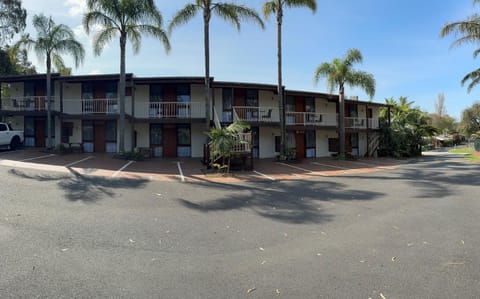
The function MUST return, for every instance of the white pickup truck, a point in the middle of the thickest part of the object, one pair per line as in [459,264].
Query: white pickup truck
[9,137]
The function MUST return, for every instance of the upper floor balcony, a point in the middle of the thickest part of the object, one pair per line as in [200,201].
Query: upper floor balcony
[29,104]
[91,106]
[170,110]
[292,118]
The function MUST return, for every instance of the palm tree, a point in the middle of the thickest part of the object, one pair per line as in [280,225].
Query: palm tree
[468,32]
[276,7]
[127,19]
[52,41]
[338,73]
[229,12]
[223,140]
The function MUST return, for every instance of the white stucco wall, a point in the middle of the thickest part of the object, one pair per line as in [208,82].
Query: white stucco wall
[16,89]
[77,131]
[142,97]
[198,139]
[143,134]
[17,122]
[72,93]
[322,142]
[267,141]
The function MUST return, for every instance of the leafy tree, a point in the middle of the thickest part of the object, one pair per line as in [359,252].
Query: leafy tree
[128,19]
[276,7]
[470,123]
[340,72]
[223,140]
[408,128]
[12,19]
[52,41]
[230,12]
[466,32]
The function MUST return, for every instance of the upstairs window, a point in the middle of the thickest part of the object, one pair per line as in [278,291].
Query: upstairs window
[87,90]
[156,93]
[111,90]
[183,93]
[290,104]
[251,99]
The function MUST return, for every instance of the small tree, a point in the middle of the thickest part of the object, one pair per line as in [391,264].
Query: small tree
[222,141]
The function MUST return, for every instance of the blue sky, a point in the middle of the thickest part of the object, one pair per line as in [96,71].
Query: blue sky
[399,41]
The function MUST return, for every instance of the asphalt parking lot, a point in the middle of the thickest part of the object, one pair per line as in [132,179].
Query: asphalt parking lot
[401,231]
[189,170]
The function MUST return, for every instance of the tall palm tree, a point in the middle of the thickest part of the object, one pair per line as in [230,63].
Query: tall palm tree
[468,32]
[229,12]
[52,41]
[127,19]
[338,73]
[276,7]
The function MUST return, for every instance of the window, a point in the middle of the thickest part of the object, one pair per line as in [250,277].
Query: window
[333,144]
[156,134]
[290,104]
[3,127]
[29,127]
[183,93]
[28,89]
[156,93]
[309,104]
[183,135]
[183,141]
[227,104]
[67,132]
[310,141]
[251,99]
[87,131]
[87,90]
[111,90]
[353,110]
[111,131]
[256,141]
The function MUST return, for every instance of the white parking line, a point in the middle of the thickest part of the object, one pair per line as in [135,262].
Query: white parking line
[37,158]
[79,161]
[181,172]
[264,175]
[331,166]
[121,169]
[294,167]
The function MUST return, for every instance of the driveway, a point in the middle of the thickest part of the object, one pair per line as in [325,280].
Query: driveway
[408,232]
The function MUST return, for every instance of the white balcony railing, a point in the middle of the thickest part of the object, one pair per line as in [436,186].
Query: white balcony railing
[28,104]
[243,143]
[373,123]
[172,110]
[311,119]
[355,122]
[91,106]
[256,114]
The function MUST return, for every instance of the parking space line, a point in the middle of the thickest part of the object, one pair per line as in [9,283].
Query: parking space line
[264,175]
[331,166]
[180,171]
[37,158]
[294,167]
[122,168]
[79,161]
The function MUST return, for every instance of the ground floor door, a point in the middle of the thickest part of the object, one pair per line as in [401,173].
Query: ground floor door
[40,130]
[99,139]
[300,144]
[169,141]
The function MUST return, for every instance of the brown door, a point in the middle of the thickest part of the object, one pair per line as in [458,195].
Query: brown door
[99,136]
[170,96]
[40,94]
[299,107]
[40,129]
[300,144]
[239,101]
[348,142]
[99,105]
[169,141]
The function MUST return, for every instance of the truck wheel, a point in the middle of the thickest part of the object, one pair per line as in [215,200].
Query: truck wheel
[15,143]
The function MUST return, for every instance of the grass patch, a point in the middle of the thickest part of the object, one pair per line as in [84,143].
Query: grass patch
[471,155]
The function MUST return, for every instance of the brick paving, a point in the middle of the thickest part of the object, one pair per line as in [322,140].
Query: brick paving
[190,170]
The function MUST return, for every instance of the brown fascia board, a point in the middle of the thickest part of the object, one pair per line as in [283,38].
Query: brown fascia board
[20,78]
[221,84]
[103,77]
[167,80]
[330,97]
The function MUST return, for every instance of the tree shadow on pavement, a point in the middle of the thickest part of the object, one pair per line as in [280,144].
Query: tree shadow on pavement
[84,188]
[296,202]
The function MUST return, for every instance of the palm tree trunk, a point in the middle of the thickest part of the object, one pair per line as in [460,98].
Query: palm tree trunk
[123,41]
[49,120]
[281,95]
[206,36]
[341,122]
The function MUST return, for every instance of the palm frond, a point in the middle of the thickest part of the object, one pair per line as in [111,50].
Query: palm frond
[311,4]
[235,13]
[474,77]
[363,80]
[353,56]
[102,38]
[183,16]
[269,8]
